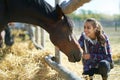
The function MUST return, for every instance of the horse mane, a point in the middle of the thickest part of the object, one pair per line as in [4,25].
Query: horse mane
[50,11]
[34,12]
[70,22]
[44,7]
[47,9]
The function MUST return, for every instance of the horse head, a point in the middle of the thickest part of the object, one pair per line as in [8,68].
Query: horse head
[62,37]
[39,12]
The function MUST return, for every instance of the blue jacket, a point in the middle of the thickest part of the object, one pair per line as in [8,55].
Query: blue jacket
[96,51]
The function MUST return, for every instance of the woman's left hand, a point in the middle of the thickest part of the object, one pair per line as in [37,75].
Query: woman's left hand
[86,56]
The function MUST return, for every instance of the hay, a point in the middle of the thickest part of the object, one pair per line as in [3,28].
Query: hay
[24,62]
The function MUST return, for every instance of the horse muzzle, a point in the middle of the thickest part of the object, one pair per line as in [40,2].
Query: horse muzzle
[74,56]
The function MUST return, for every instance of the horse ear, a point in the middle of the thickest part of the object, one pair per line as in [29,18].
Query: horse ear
[59,12]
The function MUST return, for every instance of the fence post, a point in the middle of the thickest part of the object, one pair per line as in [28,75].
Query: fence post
[37,34]
[57,55]
[42,37]
[57,52]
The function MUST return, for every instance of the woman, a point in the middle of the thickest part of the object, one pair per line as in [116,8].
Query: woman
[96,50]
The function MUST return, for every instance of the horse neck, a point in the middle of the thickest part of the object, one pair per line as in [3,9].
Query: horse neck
[38,13]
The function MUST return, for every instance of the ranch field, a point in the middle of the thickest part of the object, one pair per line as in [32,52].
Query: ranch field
[23,62]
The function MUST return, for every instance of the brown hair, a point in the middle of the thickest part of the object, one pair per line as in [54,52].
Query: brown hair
[99,30]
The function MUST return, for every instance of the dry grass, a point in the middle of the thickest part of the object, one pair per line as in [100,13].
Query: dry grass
[24,62]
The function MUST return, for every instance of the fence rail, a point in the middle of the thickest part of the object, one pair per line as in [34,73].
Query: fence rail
[66,73]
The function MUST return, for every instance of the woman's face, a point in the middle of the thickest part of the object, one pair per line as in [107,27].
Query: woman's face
[89,30]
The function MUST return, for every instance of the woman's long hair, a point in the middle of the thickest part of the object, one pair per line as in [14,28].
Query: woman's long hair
[99,30]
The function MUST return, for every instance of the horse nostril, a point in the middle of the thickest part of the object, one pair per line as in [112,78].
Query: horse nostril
[71,59]
[74,56]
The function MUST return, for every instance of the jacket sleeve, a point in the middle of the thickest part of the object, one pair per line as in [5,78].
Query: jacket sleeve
[81,41]
[108,48]
[106,55]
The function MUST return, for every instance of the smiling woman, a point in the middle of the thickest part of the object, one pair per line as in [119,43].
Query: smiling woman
[97,50]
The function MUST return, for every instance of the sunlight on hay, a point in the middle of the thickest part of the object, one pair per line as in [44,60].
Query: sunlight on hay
[25,63]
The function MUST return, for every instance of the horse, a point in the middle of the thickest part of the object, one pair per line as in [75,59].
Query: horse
[52,19]
[7,36]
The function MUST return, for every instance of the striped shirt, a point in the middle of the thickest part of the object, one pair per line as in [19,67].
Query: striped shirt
[96,51]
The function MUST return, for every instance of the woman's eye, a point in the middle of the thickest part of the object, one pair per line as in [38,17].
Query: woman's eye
[85,27]
[88,27]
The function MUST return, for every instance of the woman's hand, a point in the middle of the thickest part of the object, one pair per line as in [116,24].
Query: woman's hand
[86,56]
